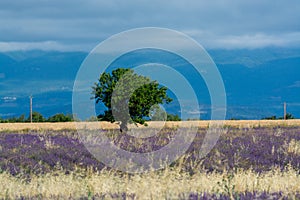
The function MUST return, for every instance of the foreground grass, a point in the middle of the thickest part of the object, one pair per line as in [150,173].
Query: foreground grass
[166,184]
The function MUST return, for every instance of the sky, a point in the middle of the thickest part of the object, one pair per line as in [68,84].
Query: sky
[79,25]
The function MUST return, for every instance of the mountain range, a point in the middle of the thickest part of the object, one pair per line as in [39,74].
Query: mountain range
[257,81]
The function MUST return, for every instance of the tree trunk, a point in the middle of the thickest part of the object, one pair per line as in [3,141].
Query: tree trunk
[123,127]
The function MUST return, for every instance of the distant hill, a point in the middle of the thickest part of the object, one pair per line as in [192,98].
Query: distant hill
[257,81]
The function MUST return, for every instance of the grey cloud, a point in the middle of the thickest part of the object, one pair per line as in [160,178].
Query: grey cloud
[80,22]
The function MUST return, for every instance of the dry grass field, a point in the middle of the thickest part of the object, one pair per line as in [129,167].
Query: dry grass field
[153,124]
[170,184]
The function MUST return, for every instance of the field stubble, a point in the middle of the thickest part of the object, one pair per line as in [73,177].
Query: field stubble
[151,124]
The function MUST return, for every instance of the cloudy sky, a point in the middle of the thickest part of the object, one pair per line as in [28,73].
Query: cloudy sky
[72,25]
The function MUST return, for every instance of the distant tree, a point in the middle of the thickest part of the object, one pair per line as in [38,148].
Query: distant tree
[22,118]
[123,91]
[60,117]
[287,116]
[270,118]
[192,119]
[36,117]
[233,118]
[14,119]
[171,117]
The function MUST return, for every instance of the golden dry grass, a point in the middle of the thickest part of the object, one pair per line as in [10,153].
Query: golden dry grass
[108,125]
[153,185]
[293,147]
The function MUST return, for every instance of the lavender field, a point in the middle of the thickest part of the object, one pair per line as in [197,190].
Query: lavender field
[246,163]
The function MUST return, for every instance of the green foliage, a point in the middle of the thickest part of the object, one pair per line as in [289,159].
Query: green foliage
[60,117]
[128,96]
[171,117]
[233,118]
[36,117]
[14,119]
[22,118]
[287,116]
[270,118]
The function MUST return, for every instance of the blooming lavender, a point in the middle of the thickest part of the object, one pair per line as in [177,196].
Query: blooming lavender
[260,149]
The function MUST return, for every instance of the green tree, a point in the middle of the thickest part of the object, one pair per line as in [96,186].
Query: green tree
[270,118]
[37,117]
[287,116]
[22,118]
[60,117]
[128,96]
[171,117]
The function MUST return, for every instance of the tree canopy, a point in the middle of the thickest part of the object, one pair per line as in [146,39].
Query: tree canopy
[128,96]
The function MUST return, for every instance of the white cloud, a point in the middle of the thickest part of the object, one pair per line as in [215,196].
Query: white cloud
[250,41]
[295,85]
[46,46]
[259,40]
[9,99]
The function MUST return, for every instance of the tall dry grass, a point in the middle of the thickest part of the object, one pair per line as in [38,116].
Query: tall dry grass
[166,184]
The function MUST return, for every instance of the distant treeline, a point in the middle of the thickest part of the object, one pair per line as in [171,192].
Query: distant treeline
[60,117]
[287,116]
[38,117]
[274,117]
